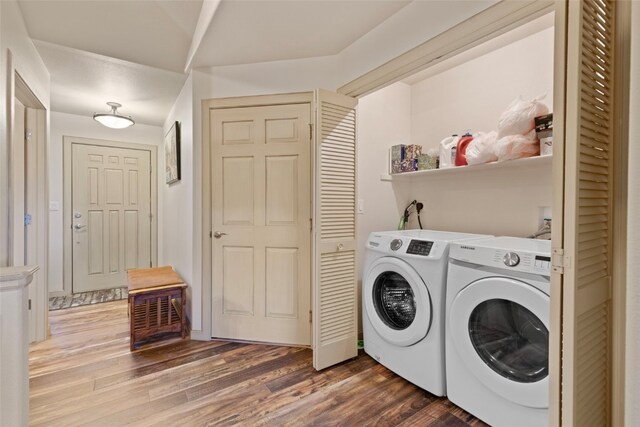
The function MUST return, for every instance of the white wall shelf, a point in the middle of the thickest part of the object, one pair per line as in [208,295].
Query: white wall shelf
[536,161]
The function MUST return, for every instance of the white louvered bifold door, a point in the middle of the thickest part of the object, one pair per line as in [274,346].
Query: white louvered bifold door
[335,292]
[588,191]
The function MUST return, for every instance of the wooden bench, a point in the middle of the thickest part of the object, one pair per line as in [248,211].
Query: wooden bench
[157,303]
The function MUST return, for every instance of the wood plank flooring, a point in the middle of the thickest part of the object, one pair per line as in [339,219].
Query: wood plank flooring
[85,376]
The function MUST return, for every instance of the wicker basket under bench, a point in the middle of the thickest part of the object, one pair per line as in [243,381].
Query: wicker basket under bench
[157,303]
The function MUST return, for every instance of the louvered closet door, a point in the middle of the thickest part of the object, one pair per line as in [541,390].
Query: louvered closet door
[588,192]
[335,305]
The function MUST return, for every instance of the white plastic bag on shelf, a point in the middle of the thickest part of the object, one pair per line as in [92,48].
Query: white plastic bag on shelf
[517,146]
[482,148]
[519,117]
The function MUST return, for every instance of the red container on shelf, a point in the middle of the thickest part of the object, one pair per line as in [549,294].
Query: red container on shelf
[461,150]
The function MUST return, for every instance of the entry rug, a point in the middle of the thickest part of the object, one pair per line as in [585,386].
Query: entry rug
[87,298]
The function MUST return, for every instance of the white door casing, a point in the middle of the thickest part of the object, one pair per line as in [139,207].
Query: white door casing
[18,185]
[261,212]
[110,215]
[28,195]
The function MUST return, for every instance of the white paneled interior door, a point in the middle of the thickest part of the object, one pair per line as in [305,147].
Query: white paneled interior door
[261,211]
[111,215]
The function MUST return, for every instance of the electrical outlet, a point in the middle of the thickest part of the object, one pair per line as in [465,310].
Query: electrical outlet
[543,212]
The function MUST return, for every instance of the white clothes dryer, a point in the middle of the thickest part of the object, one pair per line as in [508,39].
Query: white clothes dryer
[497,339]
[403,303]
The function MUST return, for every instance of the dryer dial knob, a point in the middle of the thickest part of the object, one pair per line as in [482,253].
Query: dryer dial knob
[511,259]
[395,244]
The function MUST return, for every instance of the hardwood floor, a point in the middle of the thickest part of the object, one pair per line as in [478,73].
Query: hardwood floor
[85,375]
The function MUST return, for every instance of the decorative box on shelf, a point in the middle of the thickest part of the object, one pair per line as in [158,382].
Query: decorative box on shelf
[404,158]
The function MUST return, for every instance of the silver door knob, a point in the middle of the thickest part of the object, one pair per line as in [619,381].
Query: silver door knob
[79,226]
[218,234]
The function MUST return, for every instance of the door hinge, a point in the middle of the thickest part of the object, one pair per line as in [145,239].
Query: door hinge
[311,224]
[150,264]
[29,304]
[310,131]
[211,234]
[151,216]
[310,316]
[27,135]
[559,261]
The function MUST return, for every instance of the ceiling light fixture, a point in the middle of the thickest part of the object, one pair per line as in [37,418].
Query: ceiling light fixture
[113,119]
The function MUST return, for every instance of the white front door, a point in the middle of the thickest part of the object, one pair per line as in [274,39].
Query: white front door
[261,200]
[111,215]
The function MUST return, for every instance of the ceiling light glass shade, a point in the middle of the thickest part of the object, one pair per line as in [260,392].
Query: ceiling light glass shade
[113,119]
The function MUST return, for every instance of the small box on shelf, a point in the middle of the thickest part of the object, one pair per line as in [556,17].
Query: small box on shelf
[544,131]
[427,162]
[409,165]
[397,157]
[404,158]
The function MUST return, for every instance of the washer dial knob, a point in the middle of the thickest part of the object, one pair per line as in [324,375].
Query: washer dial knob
[511,259]
[395,244]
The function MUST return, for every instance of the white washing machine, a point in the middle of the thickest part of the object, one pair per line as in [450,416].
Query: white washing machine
[497,340]
[403,299]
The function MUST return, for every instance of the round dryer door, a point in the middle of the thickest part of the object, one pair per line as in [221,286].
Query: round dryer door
[500,328]
[397,302]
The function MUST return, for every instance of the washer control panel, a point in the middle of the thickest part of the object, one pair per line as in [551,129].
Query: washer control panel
[519,261]
[395,244]
[505,254]
[511,259]
[420,247]
[542,263]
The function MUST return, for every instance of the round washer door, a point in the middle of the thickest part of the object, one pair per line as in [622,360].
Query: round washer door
[500,327]
[397,302]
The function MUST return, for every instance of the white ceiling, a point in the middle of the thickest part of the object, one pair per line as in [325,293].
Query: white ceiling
[135,51]
[148,32]
[82,83]
[244,32]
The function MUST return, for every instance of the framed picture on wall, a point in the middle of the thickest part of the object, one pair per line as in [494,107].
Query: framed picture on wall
[172,154]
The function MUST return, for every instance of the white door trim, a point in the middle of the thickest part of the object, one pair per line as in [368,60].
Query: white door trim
[490,23]
[206,261]
[19,89]
[68,142]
